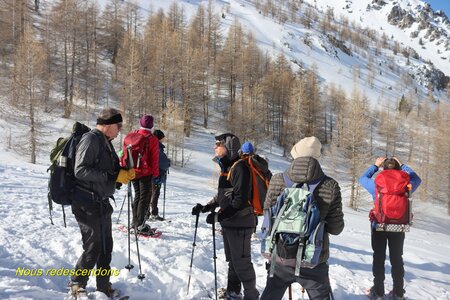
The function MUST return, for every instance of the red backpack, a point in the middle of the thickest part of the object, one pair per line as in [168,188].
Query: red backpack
[140,152]
[391,199]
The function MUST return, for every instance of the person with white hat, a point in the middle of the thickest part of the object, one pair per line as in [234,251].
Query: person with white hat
[305,169]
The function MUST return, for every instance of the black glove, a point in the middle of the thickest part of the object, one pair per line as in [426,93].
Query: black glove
[211,218]
[207,208]
[197,209]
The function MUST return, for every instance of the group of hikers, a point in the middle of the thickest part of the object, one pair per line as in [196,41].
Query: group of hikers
[301,208]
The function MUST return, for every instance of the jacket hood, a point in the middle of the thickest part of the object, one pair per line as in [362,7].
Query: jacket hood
[231,143]
[304,169]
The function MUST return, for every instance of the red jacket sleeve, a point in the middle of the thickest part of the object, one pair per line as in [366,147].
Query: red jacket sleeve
[154,155]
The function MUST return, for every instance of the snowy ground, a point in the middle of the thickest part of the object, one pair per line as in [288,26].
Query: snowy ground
[30,242]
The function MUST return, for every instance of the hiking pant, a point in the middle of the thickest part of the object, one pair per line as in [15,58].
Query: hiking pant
[142,193]
[395,241]
[315,281]
[156,191]
[94,220]
[238,255]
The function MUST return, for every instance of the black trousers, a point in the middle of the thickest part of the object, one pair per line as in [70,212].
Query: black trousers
[142,193]
[94,220]
[394,240]
[238,255]
[315,281]
[156,191]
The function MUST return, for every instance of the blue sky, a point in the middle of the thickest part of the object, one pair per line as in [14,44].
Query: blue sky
[440,5]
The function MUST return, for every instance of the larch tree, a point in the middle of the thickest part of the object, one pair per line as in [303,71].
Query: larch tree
[355,141]
[29,67]
[129,60]
[65,20]
[231,60]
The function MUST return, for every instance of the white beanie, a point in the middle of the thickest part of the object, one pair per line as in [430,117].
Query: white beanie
[308,146]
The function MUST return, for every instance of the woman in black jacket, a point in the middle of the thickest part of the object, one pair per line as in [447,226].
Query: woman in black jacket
[235,216]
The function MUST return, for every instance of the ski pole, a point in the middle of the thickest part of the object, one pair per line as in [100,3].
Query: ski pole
[121,208]
[214,256]
[129,266]
[64,216]
[140,276]
[290,292]
[192,254]
[129,166]
[164,201]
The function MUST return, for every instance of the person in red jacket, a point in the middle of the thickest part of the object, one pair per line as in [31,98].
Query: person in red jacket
[143,185]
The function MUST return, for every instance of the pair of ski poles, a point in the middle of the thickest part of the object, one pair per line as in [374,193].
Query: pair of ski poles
[214,254]
[215,266]
[129,266]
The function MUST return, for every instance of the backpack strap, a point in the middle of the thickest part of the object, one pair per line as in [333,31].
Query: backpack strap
[287,180]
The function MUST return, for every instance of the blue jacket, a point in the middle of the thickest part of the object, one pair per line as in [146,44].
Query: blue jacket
[164,163]
[368,182]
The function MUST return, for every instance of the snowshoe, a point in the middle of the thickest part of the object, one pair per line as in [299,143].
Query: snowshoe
[372,295]
[223,294]
[156,218]
[393,296]
[78,291]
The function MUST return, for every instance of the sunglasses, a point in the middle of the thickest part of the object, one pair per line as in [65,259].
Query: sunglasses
[218,143]
[119,126]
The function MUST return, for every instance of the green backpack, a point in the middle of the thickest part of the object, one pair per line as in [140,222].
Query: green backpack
[297,232]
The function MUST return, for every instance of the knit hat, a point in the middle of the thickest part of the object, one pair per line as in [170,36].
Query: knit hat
[247,148]
[147,121]
[231,143]
[115,118]
[159,134]
[308,146]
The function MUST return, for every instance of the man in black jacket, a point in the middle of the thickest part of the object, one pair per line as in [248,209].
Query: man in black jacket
[235,216]
[96,169]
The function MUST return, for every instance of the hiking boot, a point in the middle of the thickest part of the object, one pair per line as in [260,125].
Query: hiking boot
[226,295]
[146,230]
[374,296]
[156,218]
[393,296]
[78,291]
[109,291]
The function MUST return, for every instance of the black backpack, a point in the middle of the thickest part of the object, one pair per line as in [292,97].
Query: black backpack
[62,181]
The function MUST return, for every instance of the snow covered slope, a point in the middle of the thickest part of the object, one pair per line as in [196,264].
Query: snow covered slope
[411,23]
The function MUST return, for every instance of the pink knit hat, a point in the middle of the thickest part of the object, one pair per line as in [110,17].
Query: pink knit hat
[147,121]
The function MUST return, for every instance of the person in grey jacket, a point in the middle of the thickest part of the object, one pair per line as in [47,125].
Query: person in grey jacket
[235,216]
[96,169]
[305,168]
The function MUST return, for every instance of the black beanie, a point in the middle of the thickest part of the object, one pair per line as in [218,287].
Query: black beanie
[159,134]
